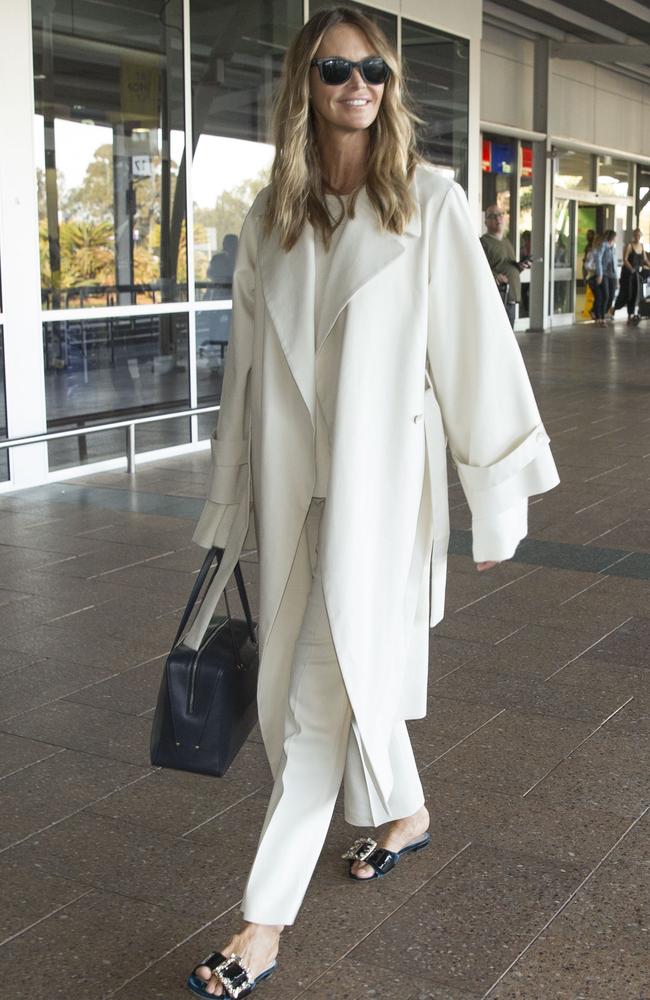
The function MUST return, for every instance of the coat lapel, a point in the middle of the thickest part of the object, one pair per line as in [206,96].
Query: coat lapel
[288,283]
[288,287]
[361,253]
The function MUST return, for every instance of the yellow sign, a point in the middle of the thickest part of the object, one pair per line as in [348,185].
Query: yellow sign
[140,92]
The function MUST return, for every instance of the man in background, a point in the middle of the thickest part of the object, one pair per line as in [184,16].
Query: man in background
[502,260]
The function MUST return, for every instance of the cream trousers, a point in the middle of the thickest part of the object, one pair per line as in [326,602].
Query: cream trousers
[320,750]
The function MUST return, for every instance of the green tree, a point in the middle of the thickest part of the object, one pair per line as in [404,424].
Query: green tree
[87,253]
[231,207]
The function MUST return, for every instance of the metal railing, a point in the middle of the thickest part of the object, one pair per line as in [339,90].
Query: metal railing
[128,424]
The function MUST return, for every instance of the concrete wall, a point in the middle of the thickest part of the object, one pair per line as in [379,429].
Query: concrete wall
[506,78]
[598,106]
[588,104]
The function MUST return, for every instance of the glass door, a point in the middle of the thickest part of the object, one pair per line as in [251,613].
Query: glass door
[564,255]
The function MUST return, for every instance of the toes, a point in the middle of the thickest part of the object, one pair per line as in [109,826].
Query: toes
[202,972]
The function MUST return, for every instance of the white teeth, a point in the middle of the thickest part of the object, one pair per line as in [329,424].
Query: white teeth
[356,104]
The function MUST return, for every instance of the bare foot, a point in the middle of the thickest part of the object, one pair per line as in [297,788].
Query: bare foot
[395,836]
[258,946]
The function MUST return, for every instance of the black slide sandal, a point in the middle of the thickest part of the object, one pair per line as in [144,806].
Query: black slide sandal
[379,858]
[235,977]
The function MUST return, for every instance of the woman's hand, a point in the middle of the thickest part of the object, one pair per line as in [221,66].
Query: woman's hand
[485,565]
[599,280]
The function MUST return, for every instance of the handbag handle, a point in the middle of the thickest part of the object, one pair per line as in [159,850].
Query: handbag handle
[216,553]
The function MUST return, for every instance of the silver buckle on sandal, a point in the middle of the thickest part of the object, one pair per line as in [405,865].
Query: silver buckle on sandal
[360,849]
[228,977]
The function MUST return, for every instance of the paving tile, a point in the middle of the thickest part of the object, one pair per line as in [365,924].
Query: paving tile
[62,641]
[56,787]
[176,802]
[17,752]
[530,596]
[564,697]
[632,597]
[90,947]
[608,772]
[446,723]
[350,980]
[471,628]
[629,644]
[596,948]
[131,691]
[537,650]
[11,659]
[99,558]
[182,875]
[29,895]
[466,924]
[511,752]
[567,832]
[633,849]
[44,682]
[86,729]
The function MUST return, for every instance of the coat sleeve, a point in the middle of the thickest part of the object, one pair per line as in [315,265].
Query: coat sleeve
[493,426]
[230,473]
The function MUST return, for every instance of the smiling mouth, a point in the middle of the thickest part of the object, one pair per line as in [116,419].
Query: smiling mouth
[356,102]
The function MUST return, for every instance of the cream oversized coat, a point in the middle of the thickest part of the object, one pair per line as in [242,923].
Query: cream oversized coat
[426,344]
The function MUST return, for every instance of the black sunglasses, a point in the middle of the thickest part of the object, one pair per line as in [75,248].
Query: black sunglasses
[335,70]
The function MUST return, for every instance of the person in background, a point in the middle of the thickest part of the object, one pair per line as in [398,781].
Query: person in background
[222,266]
[588,311]
[609,272]
[594,264]
[501,258]
[634,259]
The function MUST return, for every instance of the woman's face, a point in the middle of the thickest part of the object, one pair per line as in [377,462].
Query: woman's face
[354,105]
[637,235]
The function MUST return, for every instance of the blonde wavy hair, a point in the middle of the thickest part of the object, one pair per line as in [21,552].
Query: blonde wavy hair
[297,193]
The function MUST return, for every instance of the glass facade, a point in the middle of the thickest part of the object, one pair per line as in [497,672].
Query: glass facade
[562,255]
[236,62]
[387,22]
[109,135]
[135,303]
[437,71]
[575,170]
[98,370]
[614,177]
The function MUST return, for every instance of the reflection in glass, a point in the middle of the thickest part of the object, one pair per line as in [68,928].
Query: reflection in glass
[107,369]
[525,221]
[4,455]
[575,170]
[437,71]
[212,336]
[108,81]
[237,52]
[614,176]
[562,266]
[387,22]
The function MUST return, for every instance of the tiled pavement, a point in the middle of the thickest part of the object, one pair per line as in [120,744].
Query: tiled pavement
[534,755]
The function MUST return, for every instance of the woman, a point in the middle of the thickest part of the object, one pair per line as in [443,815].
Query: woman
[346,310]
[595,277]
[609,272]
[635,259]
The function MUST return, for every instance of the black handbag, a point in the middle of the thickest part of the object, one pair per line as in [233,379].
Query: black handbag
[207,703]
